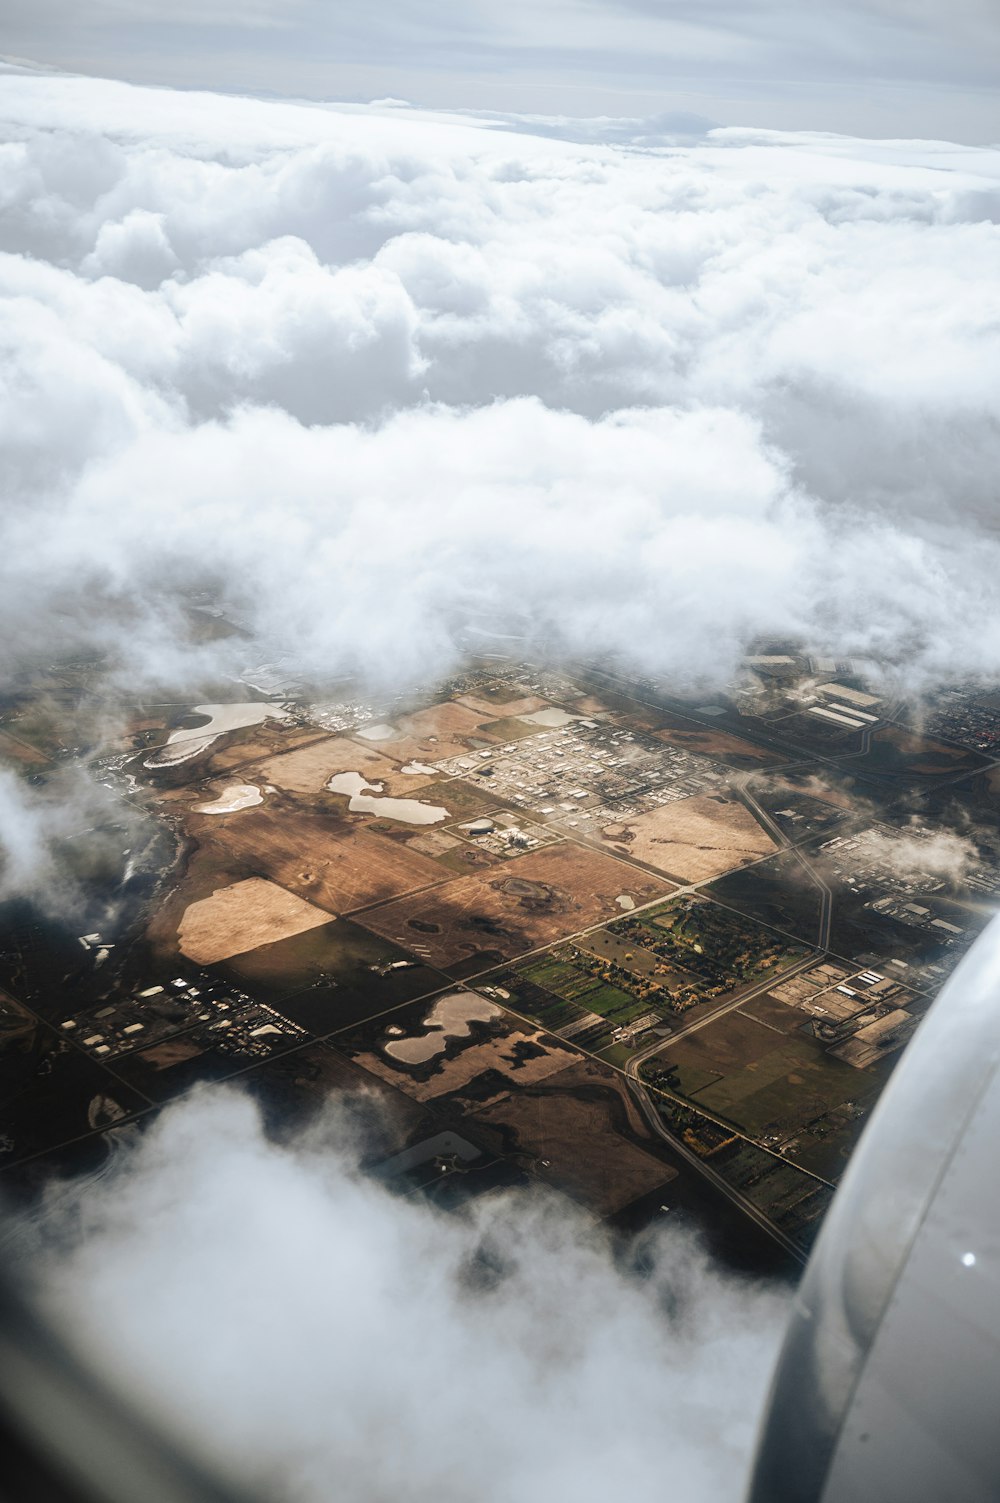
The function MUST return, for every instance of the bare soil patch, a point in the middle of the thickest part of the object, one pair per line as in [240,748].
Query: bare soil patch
[325,860]
[242,917]
[579,1124]
[310,768]
[440,731]
[531,901]
[692,839]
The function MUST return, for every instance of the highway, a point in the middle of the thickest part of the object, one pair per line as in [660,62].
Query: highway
[677,1146]
[739,785]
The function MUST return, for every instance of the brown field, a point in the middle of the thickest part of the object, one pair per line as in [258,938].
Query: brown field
[589,705]
[310,768]
[532,901]
[775,1014]
[581,1122]
[332,862]
[736,1044]
[692,839]
[204,872]
[173,1052]
[22,752]
[712,743]
[493,707]
[922,755]
[431,842]
[242,917]
[430,735]
[253,744]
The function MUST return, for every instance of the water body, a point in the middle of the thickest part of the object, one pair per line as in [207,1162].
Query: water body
[625,902]
[188,741]
[552,718]
[367,798]
[236,796]
[414,768]
[379,732]
[448,1018]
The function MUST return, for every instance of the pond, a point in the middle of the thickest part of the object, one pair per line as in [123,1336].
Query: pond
[367,798]
[448,1018]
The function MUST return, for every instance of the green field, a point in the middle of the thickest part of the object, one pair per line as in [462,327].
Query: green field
[712,949]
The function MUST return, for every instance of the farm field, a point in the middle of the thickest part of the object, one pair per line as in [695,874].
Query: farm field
[333,862]
[775,1087]
[534,901]
[691,839]
[584,1129]
[241,917]
[429,735]
[675,730]
[309,768]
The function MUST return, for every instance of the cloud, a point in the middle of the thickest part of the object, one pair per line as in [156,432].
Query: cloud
[377,379]
[925,852]
[886,67]
[74,848]
[322,1337]
[372,376]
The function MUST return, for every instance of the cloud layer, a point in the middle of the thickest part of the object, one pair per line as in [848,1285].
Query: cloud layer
[321,1338]
[375,374]
[878,67]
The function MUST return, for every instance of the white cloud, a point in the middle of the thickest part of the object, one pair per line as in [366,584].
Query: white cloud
[381,372]
[373,375]
[879,67]
[322,1337]
[918,851]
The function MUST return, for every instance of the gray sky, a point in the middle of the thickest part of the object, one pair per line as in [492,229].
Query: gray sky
[865,67]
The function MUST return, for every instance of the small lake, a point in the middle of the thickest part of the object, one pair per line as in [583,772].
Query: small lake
[448,1018]
[368,798]
[552,718]
[237,796]
[188,741]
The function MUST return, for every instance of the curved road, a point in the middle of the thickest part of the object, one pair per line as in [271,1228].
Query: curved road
[739,785]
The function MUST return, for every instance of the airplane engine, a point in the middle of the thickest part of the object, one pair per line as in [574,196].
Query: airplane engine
[887,1389]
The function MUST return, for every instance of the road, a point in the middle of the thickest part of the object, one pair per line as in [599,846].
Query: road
[739,785]
[678,1147]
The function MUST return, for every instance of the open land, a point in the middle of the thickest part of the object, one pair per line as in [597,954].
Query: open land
[632,1045]
[692,839]
[325,860]
[242,917]
[492,917]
